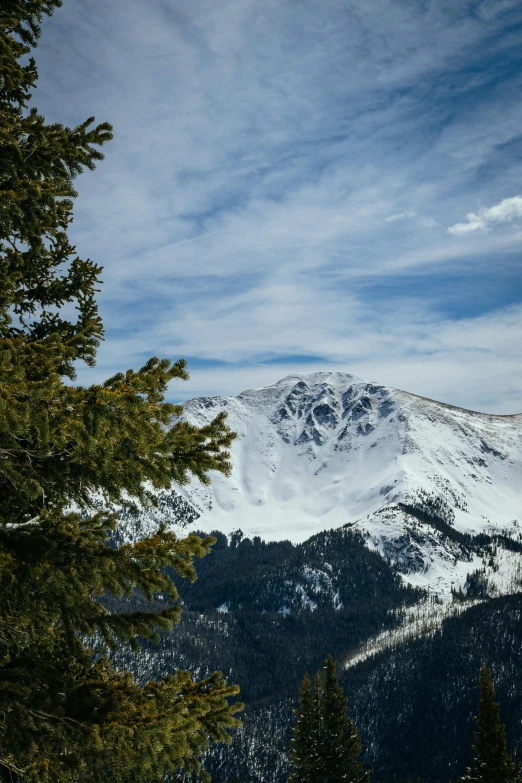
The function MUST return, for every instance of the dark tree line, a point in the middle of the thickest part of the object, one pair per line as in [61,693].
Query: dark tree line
[326,746]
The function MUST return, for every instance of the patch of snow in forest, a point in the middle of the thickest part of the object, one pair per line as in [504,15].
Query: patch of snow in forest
[420,620]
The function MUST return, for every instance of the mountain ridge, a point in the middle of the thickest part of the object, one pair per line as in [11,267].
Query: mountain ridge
[357,379]
[323,450]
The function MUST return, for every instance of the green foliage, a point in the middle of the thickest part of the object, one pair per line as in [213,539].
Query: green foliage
[66,454]
[55,694]
[325,746]
[304,750]
[59,441]
[492,763]
[339,740]
[40,272]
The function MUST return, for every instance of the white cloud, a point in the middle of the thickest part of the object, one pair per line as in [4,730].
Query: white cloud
[474,362]
[400,216]
[260,151]
[505,212]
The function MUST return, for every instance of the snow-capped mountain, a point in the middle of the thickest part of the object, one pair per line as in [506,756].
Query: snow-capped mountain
[350,472]
[416,477]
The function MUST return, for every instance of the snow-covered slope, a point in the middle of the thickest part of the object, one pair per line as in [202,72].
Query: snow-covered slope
[318,451]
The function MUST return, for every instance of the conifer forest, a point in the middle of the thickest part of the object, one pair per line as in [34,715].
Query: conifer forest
[318,579]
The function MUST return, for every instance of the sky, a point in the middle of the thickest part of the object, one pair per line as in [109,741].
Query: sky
[302,185]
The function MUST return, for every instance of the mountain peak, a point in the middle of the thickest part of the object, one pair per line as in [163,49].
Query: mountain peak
[308,383]
[321,450]
[311,379]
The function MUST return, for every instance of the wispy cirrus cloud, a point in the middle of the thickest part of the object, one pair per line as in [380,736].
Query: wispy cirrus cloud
[282,177]
[400,216]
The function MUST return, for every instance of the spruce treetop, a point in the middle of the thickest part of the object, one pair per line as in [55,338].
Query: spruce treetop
[492,763]
[325,745]
[65,714]
[40,271]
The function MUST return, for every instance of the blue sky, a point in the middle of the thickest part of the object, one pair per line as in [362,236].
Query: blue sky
[300,185]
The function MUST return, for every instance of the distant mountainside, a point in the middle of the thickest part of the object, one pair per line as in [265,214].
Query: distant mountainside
[265,613]
[314,452]
[361,521]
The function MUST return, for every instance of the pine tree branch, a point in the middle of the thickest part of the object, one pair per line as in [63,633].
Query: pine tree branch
[41,715]
[11,767]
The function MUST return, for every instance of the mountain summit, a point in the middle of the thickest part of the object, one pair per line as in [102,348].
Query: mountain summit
[319,451]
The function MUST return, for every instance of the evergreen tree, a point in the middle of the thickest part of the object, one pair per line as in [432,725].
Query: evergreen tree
[316,766]
[65,713]
[325,745]
[339,740]
[492,763]
[303,750]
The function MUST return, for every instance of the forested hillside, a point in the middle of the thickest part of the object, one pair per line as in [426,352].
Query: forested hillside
[270,612]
